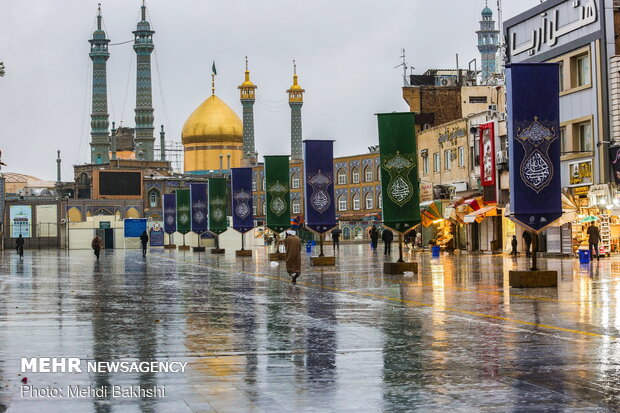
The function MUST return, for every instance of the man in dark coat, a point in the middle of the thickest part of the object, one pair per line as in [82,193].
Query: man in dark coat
[336,238]
[19,246]
[374,237]
[594,237]
[387,237]
[527,237]
[144,239]
[292,244]
[96,245]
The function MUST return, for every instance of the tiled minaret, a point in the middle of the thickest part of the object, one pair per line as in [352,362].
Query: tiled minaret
[488,44]
[143,46]
[100,139]
[247,91]
[296,101]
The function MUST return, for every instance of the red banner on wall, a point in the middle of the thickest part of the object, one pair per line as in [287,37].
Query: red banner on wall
[487,154]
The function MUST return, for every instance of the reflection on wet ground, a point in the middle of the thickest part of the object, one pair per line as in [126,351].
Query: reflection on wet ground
[343,339]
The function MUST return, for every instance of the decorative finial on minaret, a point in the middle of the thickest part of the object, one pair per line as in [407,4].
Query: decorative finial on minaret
[143,10]
[246,64]
[58,176]
[99,17]
[213,73]
[294,67]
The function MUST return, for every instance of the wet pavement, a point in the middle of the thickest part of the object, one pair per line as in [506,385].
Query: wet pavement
[344,339]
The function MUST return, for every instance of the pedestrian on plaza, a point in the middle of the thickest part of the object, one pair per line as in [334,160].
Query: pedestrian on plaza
[527,237]
[336,238]
[408,239]
[96,245]
[19,246]
[374,237]
[514,245]
[387,237]
[594,237]
[144,239]
[418,239]
[292,244]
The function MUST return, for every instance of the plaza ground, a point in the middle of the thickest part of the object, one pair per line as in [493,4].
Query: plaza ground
[346,339]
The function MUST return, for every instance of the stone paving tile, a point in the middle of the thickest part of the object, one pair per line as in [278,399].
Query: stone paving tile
[349,338]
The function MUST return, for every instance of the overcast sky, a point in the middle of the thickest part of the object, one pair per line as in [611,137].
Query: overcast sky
[345,50]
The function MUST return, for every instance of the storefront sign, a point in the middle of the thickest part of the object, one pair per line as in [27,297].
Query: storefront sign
[21,220]
[487,154]
[426,192]
[581,190]
[600,195]
[448,136]
[614,159]
[552,27]
[580,173]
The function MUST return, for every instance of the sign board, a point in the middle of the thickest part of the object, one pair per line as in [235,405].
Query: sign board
[134,227]
[554,240]
[426,192]
[581,190]
[47,221]
[21,221]
[567,238]
[552,28]
[105,225]
[580,173]
[156,234]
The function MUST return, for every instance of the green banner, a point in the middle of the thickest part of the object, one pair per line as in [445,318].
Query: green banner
[184,217]
[278,193]
[400,188]
[218,205]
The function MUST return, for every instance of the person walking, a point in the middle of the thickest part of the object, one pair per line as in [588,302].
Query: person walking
[387,237]
[292,244]
[336,238]
[96,245]
[513,243]
[144,239]
[374,237]
[19,246]
[594,237]
[527,237]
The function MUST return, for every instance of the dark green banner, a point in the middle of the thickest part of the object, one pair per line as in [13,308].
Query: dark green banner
[278,193]
[218,205]
[184,217]
[400,188]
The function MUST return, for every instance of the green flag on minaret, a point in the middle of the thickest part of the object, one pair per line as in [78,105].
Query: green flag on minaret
[213,68]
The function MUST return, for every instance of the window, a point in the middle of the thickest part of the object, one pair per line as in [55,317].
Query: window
[436,162]
[461,157]
[355,175]
[447,159]
[476,151]
[253,185]
[296,208]
[264,207]
[584,133]
[356,202]
[582,70]
[295,181]
[342,203]
[264,183]
[368,174]
[424,162]
[254,210]
[369,201]
[153,199]
[379,201]
[342,177]
[563,148]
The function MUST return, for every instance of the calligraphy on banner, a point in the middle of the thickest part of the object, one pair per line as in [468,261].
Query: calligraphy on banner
[218,205]
[170,213]
[278,192]
[241,184]
[319,189]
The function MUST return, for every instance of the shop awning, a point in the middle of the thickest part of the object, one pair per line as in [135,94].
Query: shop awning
[481,214]
[430,211]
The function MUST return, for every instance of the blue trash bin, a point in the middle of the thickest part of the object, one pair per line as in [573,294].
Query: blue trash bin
[435,249]
[584,256]
[309,247]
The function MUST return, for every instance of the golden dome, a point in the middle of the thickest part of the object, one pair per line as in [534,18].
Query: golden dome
[212,121]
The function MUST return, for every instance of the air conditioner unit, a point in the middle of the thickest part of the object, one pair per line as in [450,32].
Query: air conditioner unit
[502,116]
[502,157]
[493,107]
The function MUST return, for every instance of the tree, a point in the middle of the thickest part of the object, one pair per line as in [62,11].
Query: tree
[1,69]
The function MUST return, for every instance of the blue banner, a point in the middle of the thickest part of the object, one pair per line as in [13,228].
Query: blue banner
[170,213]
[242,213]
[319,185]
[134,227]
[534,143]
[199,208]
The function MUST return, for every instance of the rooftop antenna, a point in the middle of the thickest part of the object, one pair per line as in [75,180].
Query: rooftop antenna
[404,66]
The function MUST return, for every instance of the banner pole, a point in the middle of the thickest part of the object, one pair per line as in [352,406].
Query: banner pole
[242,241]
[183,239]
[534,248]
[321,244]
[400,247]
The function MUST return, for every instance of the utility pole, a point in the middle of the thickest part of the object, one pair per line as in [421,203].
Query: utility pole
[404,66]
